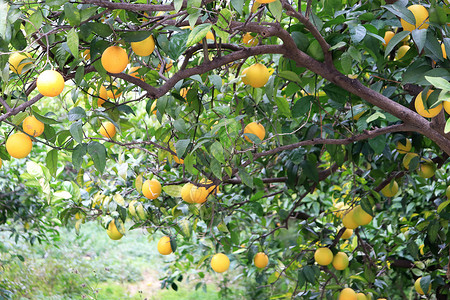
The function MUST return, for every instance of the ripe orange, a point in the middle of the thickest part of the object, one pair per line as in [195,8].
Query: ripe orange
[420,14]
[102,96]
[183,92]
[144,47]
[347,294]
[420,108]
[151,189]
[347,234]
[86,55]
[390,190]
[1,162]
[407,159]
[387,37]
[261,260]
[112,231]
[402,51]
[349,220]
[256,129]
[323,256]
[186,192]
[33,126]
[419,288]
[256,75]
[108,130]
[113,92]
[15,60]
[405,147]
[361,217]
[249,40]
[164,247]
[134,72]
[50,83]
[114,59]
[198,194]
[340,261]
[220,263]
[179,161]
[18,145]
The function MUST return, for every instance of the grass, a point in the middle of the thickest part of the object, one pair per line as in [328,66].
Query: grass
[90,265]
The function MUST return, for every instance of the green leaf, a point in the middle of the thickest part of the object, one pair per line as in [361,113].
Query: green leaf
[72,14]
[442,206]
[310,170]
[76,129]
[52,161]
[378,143]
[245,177]
[289,75]
[98,154]
[309,274]
[336,93]
[224,18]
[216,80]
[357,33]
[216,168]
[401,12]
[447,126]
[3,18]
[35,22]
[413,250]
[217,152]
[180,125]
[302,106]
[238,5]
[276,9]
[76,114]
[180,147]
[72,42]
[425,282]
[394,41]
[439,82]
[300,40]
[419,37]
[135,36]
[101,29]
[433,230]
[173,190]
[283,107]
[177,5]
[197,34]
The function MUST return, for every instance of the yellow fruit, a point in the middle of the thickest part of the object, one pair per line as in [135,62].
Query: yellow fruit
[114,92]
[404,147]
[1,162]
[132,208]
[265,1]
[361,217]
[50,83]
[256,129]
[390,190]
[261,260]
[418,288]
[255,7]
[426,169]
[361,296]
[198,194]
[402,51]
[347,234]
[134,73]
[183,92]
[407,159]
[387,37]
[153,107]
[444,53]
[112,231]
[420,14]
[220,263]
[151,189]
[340,209]
[323,256]
[249,40]
[114,59]
[33,126]
[145,47]
[209,36]
[349,220]
[15,60]
[168,66]
[256,75]
[179,161]
[340,261]
[212,189]
[18,145]
[446,106]
[186,192]
[102,96]
[108,130]
[420,108]
[244,76]
[347,294]
[164,247]
[86,55]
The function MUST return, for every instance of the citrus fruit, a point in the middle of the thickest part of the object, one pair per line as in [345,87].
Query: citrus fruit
[186,192]
[419,288]
[444,53]
[144,47]
[402,51]
[15,60]
[18,145]
[183,92]
[134,72]
[151,189]
[209,36]
[164,247]
[153,107]
[420,14]
[256,75]
[340,261]
[220,263]
[102,96]
[261,260]
[33,126]
[114,59]
[420,108]
[361,296]
[108,130]
[349,220]
[407,159]
[249,40]
[347,234]
[404,147]
[86,54]
[1,162]
[347,294]
[361,217]
[179,161]
[50,83]
[168,66]
[113,92]
[388,35]
[323,256]
[112,231]
[426,169]
[198,194]
[256,129]
[340,208]
[390,190]
[212,189]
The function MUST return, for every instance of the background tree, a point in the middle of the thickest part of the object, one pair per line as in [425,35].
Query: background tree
[148,105]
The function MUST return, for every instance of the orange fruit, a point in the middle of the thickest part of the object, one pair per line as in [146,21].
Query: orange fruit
[349,220]
[405,147]
[151,189]
[420,14]
[164,247]
[402,51]
[361,217]
[261,260]
[220,263]
[86,54]
[33,126]
[114,92]
[264,1]
[102,96]
[144,47]
[134,72]
[249,40]
[18,145]
[198,194]
[114,59]
[108,130]
[323,256]
[256,129]
[256,75]
[15,61]
[179,161]
[50,83]
[186,192]
[388,35]
[419,288]
[390,190]
[347,294]
[347,234]
[420,108]
[340,261]
[112,231]
[153,107]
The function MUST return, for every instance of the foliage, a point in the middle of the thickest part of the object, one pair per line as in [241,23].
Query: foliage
[334,107]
